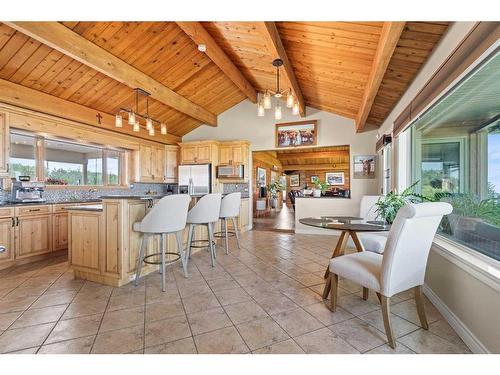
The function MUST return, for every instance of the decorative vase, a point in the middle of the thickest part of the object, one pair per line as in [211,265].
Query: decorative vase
[317,193]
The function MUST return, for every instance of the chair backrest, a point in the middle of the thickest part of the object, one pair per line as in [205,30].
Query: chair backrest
[230,205]
[206,210]
[367,207]
[168,215]
[408,245]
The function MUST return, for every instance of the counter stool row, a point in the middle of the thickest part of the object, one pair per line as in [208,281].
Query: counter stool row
[170,216]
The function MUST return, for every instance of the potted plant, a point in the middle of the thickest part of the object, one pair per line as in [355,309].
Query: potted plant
[320,188]
[388,206]
[274,188]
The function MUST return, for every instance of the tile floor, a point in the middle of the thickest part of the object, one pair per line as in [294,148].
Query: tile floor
[264,298]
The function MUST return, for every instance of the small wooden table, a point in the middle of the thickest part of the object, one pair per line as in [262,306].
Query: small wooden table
[348,226]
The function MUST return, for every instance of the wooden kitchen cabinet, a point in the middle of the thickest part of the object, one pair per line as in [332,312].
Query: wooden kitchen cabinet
[33,235]
[7,237]
[4,145]
[86,242]
[171,163]
[150,163]
[233,153]
[199,152]
[60,231]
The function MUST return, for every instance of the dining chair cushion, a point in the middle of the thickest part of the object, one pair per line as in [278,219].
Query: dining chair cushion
[363,268]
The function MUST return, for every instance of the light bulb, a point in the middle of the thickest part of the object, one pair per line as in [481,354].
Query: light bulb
[289,100]
[118,121]
[152,130]
[163,128]
[131,118]
[295,109]
[149,123]
[267,100]
[277,112]
[260,110]
[137,126]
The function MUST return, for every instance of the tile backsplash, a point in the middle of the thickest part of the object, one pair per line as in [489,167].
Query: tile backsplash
[85,193]
[234,188]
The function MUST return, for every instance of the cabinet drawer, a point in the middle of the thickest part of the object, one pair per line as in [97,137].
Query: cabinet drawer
[32,210]
[7,212]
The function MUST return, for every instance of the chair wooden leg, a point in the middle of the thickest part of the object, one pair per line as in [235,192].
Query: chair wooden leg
[334,281]
[385,302]
[419,299]
[379,296]
[366,291]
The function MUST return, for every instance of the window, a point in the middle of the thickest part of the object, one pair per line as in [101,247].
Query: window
[386,153]
[63,162]
[456,157]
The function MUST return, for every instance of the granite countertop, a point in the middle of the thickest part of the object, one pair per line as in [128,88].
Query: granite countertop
[145,196]
[324,197]
[17,204]
[89,207]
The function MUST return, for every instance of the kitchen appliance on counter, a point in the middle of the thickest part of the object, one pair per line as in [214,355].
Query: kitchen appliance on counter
[198,179]
[231,171]
[27,191]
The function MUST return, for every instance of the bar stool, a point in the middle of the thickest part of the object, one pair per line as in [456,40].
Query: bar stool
[229,209]
[205,212]
[168,216]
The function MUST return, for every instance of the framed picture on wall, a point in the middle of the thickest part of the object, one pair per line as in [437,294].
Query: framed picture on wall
[261,176]
[294,180]
[364,166]
[335,178]
[314,178]
[297,134]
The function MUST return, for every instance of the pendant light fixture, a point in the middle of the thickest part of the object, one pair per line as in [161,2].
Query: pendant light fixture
[163,128]
[118,121]
[266,102]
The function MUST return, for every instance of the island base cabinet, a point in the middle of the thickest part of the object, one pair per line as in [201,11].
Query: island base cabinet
[60,231]
[33,235]
[84,241]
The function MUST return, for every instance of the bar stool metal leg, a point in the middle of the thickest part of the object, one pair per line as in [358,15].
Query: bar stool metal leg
[190,239]
[211,245]
[144,242]
[233,219]
[182,252]
[226,237]
[162,250]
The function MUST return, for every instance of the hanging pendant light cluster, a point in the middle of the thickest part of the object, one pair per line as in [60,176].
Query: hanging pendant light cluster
[134,116]
[265,99]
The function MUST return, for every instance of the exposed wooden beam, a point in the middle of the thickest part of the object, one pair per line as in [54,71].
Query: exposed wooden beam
[312,154]
[315,167]
[266,158]
[275,46]
[389,37]
[200,35]
[18,95]
[65,40]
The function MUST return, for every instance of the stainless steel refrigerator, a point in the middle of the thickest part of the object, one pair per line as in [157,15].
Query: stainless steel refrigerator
[198,178]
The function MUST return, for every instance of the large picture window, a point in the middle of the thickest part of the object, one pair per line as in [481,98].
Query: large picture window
[456,157]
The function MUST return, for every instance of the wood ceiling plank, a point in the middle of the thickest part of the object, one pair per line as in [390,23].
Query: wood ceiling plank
[48,61]
[19,58]
[11,47]
[6,33]
[79,83]
[61,76]
[77,47]
[275,46]
[391,32]
[27,67]
[199,35]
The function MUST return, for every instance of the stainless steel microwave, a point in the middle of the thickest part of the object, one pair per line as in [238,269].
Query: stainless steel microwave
[230,171]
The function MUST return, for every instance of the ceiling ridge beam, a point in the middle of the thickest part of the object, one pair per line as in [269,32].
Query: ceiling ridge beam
[275,46]
[389,37]
[34,100]
[68,42]
[200,35]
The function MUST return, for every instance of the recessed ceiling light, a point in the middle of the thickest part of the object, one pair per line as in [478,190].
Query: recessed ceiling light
[202,47]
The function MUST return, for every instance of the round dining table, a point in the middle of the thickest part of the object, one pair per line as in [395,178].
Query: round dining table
[348,226]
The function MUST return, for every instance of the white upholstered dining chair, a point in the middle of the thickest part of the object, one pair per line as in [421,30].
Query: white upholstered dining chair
[403,264]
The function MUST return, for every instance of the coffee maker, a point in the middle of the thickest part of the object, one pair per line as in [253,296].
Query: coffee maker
[27,191]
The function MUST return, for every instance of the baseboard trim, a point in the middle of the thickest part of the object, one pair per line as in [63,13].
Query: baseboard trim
[473,343]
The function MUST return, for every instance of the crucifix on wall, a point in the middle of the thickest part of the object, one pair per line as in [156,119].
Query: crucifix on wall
[99,117]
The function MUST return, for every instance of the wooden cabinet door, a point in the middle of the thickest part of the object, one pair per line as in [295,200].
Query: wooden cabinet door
[237,155]
[60,231]
[146,161]
[6,239]
[203,154]
[171,164]
[158,164]
[244,212]
[85,242]
[33,235]
[225,154]
[188,154]
[4,145]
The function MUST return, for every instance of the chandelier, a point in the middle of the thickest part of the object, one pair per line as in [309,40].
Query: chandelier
[135,116]
[265,98]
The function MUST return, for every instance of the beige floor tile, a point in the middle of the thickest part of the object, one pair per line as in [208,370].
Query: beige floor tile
[262,332]
[408,311]
[245,312]
[425,342]
[442,329]
[308,279]
[285,347]
[54,298]
[359,334]
[223,341]
[400,327]
[155,294]
[81,345]
[39,316]
[200,302]
[297,322]
[122,319]
[27,337]
[183,346]
[32,350]
[222,284]
[167,330]
[208,320]
[356,305]
[120,341]
[321,312]
[164,310]
[86,307]
[231,296]
[7,319]
[324,341]
[17,304]
[124,301]
[303,296]
[277,304]
[75,328]
[386,349]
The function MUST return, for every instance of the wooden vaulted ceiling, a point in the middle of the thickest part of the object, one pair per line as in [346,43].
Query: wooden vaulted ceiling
[331,63]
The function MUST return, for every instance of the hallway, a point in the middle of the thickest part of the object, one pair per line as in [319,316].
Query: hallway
[277,220]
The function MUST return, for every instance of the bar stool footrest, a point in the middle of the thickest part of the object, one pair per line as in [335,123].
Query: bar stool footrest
[230,233]
[159,262]
[204,243]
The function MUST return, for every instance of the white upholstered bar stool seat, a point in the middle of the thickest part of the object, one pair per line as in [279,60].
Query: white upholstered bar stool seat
[403,264]
[229,210]
[206,213]
[168,216]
